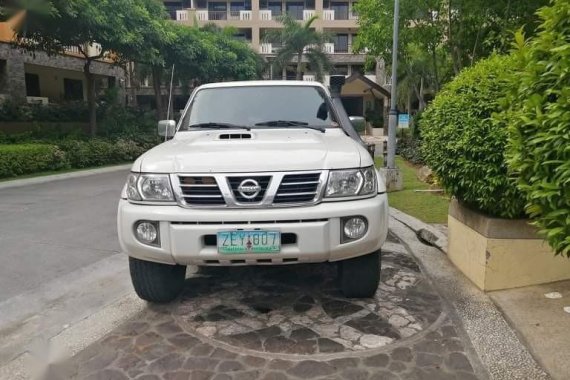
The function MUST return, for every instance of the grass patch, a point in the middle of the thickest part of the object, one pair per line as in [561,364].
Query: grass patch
[428,207]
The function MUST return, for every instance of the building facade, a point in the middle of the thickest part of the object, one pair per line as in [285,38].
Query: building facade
[253,19]
[40,78]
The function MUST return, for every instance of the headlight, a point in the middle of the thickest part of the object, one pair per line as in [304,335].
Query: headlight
[350,183]
[149,187]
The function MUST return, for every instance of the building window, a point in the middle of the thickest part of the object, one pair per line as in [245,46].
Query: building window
[341,43]
[3,75]
[73,89]
[32,85]
[340,10]
[295,9]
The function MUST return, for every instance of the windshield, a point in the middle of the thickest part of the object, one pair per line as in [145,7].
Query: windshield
[260,107]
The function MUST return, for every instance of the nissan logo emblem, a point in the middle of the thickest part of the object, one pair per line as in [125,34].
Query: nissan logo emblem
[249,188]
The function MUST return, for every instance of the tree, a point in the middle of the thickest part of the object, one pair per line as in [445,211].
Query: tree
[449,34]
[300,40]
[97,29]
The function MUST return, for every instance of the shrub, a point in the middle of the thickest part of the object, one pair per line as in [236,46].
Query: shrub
[466,148]
[19,159]
[66,112]
[539,125]
[97,152]
[409,147]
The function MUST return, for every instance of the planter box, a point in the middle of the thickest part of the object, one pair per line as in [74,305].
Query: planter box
[500,253]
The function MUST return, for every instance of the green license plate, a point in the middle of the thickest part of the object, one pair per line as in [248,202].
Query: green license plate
[254,241]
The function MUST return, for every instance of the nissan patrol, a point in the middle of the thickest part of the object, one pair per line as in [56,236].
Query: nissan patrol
[255,173]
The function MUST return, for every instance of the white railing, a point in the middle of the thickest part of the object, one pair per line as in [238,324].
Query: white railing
[309,78]
[245,15]
[265,14]
[181,15]
[265,48]
[328,14]
[37,100]
[353,15]
[329,48]
[308,13]
[72,49]
[202,15]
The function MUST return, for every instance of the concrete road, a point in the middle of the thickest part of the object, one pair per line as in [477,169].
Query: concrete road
[60,259]
[52,229]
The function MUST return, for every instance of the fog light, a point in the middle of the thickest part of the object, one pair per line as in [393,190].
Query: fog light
[147,233]
[354,228]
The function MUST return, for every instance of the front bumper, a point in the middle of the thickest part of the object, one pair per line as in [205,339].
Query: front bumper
[185,234]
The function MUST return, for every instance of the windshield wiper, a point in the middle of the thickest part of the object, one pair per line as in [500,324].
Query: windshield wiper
[214,125]
[289,124]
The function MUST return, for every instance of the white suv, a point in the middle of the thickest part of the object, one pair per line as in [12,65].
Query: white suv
[257,173]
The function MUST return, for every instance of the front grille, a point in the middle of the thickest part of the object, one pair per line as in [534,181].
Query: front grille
[298,188]
[235,182]
[201,191]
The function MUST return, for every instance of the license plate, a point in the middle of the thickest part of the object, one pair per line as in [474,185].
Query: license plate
[254,241]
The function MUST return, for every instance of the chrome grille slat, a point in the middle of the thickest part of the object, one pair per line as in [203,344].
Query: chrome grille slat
[277,189]
[298,188]
[201,191]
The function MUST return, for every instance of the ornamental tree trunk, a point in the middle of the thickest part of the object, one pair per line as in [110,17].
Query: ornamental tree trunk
[300,66]
[157,86]
[91,95]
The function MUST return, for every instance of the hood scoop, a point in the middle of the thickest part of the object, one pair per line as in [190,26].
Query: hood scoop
[235,136]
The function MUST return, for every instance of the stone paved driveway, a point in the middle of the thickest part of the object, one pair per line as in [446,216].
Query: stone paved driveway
[286,322]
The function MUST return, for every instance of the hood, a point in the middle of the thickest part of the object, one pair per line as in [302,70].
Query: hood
[227,151]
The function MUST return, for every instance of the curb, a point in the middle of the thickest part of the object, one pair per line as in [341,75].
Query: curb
[58,177]
[424,231]
[501,352]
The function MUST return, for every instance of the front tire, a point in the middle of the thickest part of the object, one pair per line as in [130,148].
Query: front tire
[359,277]
[156,282]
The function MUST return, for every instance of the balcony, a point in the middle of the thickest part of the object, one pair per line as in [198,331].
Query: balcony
[265,15]
[182,16]
[235,15]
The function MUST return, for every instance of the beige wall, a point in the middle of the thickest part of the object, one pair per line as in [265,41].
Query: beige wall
[501,263]
[51,81]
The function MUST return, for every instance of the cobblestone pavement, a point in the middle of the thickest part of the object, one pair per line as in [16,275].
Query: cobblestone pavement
[285,322]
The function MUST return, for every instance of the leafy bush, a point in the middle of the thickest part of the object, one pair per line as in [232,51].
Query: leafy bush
[409,147]
[66,112]
[30,158]
[539,125]
[18,159]
[97,152]
[465,147]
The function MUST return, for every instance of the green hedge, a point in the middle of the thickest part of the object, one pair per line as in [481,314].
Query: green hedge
[19,159]
[30,158]
[539,124]
[465,147]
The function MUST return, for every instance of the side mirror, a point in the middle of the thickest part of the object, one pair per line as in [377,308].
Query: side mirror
[358,122]
[166,128]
